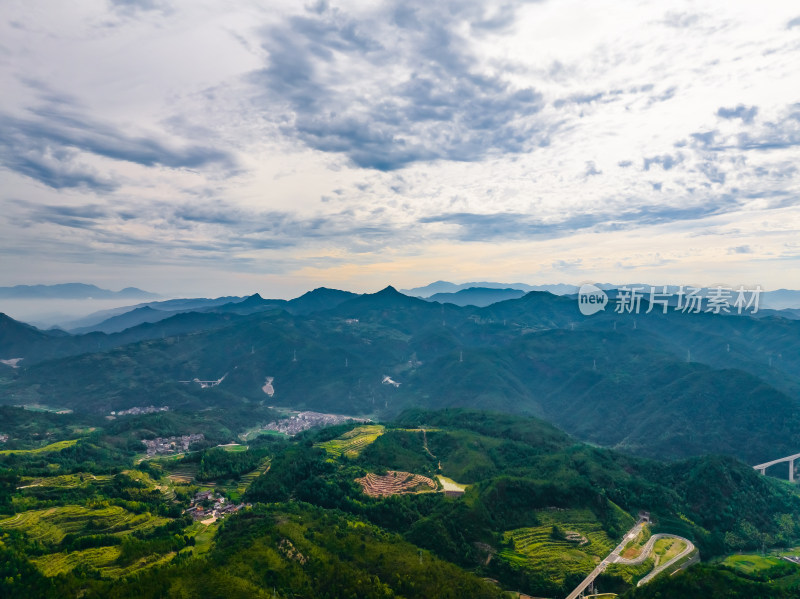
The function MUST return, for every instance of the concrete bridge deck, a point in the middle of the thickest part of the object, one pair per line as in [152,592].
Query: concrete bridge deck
[789,458]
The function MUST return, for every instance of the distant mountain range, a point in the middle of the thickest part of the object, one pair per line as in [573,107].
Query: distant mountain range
[477,394]
[110,321]
[443,291]
[72,291]
[445,287]
[655,384]
[476,296]
[120,319]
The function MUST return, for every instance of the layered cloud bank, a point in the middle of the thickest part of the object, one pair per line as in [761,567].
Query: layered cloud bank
[160,143]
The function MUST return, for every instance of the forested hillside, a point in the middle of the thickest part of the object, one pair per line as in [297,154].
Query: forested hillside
[663,386]
[511,499]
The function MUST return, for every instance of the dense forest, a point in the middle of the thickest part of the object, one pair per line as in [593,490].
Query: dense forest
[94,516]
[608,379]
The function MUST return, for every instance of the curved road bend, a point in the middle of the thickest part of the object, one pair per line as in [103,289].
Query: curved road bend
[648,547]
[610,559]
[656,571]
[615,557]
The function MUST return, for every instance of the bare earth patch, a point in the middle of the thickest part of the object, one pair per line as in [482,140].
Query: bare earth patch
[394,483]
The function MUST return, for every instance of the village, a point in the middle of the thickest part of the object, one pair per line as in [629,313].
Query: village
[207,507]
[136,411]
[305,420]
[167,445]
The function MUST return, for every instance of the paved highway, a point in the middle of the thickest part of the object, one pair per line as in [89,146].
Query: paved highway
[662,567]
[615,557]
[610,559]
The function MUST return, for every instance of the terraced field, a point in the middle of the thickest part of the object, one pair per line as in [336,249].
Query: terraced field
[64,481]
[166,489]
[394,483]
[100,558]
[782,573]
[248,478]
[537,549]
[353,442]
[52,524]
[180,473]
[57,446]
[59,563]
[235,489]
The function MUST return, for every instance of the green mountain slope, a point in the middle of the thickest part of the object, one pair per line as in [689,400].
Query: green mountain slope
[378,354]
[704,582]
[116,529]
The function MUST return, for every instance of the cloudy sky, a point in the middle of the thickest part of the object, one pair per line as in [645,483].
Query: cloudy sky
[201,147]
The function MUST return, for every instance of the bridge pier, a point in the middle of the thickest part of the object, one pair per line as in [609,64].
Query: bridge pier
[762,468]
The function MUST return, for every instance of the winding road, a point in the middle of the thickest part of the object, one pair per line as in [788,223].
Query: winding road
[659,569]
[615,558]
[610,559]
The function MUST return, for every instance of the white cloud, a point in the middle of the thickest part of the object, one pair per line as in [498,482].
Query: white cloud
[349,141]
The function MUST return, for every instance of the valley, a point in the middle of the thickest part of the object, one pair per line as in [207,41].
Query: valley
[399,299]
[512,453]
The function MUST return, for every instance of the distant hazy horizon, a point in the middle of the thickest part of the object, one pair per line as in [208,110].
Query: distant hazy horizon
[208,148]
[46,313]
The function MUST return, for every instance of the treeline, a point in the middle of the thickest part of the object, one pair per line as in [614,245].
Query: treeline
[740,510]
[121,489]
[298,471]
[9,479]
[710,582]
[19,579]
[93,454]
[449,528]
[297,550]
[219,464]
[522,473]
[28,429]
[321,536]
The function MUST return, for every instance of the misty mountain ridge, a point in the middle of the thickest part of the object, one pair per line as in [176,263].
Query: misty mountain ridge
[123,318]
[126,320]
[476,296]
[72,291]
[778,299]
[446,287]
[171,306]
[608,378]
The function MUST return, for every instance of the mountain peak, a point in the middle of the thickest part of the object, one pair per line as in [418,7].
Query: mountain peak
[324,291]
[388,291]
[321,298]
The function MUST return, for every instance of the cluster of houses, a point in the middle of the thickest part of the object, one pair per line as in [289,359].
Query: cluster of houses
[3,438]
[305,420]
[162,445]
[218,507]
[135,411]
